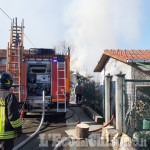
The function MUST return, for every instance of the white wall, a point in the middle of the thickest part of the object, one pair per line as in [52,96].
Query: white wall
[113,67]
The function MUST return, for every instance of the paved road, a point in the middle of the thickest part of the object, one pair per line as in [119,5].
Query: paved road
[53,131]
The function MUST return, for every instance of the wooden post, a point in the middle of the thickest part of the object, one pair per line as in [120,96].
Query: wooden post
[82,131]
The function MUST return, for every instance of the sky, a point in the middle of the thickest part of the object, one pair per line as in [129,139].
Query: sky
[89,26]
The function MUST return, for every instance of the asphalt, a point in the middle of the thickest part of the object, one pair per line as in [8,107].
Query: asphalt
[53,131]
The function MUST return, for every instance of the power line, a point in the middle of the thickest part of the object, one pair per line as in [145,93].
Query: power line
[29,40]
[23,33]
[5,13]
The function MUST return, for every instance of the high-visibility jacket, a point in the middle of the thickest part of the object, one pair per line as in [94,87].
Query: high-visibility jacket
[10,122]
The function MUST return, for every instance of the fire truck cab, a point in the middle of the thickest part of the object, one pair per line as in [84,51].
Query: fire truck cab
[44,70]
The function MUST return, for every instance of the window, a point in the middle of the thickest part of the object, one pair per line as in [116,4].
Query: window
[3,60]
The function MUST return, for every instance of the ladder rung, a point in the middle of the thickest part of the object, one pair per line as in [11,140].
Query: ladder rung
[15,73]
[13,55]
[17,39]
[16,48]
[16,30]
[61,78]
[14,69]
[17,27]
[61,94]
[15,85]
[61,110]
[61,102]
[13,62]
[61,86]
[16,33]
[13,48]
[61,70]
[15,36]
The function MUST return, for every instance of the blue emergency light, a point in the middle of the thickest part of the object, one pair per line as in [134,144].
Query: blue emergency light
[55,60]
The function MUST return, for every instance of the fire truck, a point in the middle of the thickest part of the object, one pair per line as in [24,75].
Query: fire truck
[35,70]
[44,70]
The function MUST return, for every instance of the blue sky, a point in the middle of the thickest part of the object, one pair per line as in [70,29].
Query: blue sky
[89,25]
[143,40]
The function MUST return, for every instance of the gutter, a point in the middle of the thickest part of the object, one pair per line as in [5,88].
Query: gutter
[143,65]
[138,61]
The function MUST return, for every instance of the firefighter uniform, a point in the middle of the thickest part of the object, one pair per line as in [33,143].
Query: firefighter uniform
[10,122]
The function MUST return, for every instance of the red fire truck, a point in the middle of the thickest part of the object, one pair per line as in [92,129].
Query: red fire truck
[44,70]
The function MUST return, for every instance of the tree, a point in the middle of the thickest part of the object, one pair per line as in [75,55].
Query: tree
[62,48]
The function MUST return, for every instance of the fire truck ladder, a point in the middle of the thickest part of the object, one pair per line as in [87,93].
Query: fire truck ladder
[61,84]
[15,55]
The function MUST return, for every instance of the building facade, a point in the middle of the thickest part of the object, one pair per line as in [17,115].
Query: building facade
[130,71]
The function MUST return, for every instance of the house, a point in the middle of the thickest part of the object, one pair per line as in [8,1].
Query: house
[125,61]
[125,86]
[3,61]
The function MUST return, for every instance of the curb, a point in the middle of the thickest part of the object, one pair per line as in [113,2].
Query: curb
[94,115]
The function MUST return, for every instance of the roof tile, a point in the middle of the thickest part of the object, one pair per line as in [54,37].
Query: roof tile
[122,55]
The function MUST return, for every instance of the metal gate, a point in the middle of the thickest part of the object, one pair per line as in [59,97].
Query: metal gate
[136,102]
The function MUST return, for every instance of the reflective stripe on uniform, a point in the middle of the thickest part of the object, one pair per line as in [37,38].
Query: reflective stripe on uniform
[7,135]
[16,123]
[4,134]
[2,119]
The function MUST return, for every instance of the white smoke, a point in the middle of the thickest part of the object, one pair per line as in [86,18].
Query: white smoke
[90,25]
[95,25]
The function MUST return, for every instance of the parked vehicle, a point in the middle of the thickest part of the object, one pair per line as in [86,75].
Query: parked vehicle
[44,70]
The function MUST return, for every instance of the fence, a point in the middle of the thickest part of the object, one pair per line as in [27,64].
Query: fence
[91,96]
[137,105]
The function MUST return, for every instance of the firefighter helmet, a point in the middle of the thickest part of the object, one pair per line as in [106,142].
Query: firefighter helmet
[6,80]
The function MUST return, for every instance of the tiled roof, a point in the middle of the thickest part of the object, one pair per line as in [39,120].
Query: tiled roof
[126,56]
[3,53]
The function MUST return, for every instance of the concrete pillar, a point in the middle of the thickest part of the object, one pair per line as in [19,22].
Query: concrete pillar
[118,100]
[108,79]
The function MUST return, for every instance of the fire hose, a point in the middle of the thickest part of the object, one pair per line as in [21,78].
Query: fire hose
[96,129]
[38,129]
[69,138]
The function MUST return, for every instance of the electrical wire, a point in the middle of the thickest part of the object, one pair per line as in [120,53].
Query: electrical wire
[23,33]
[30,41]
[5,13]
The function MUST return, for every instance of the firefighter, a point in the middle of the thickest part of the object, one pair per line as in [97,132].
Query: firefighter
[78,92]
[10,122]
